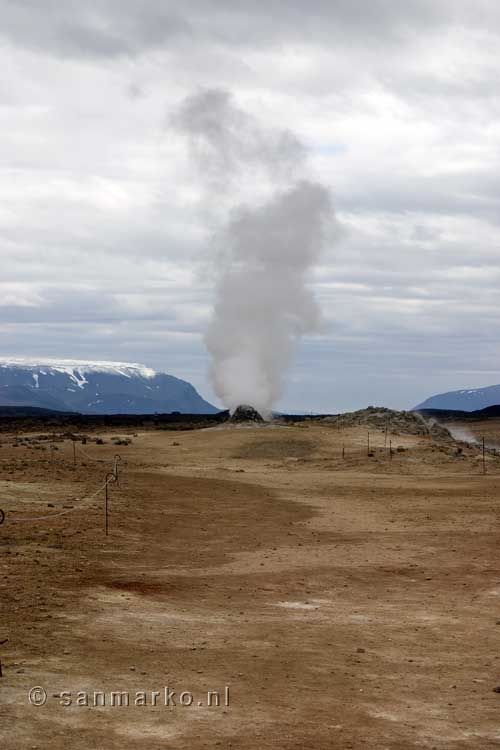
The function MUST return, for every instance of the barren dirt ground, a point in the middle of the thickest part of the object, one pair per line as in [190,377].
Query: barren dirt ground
[346,603]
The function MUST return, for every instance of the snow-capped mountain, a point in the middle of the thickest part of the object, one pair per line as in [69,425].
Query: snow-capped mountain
[467,400]
[96,388]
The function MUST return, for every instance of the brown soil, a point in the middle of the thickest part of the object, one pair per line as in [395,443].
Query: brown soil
[347,602]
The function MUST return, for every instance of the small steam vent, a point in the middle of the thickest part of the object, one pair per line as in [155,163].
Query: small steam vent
[245,413]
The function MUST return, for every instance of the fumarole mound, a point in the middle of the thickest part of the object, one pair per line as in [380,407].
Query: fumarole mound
[245,413]
[397,422]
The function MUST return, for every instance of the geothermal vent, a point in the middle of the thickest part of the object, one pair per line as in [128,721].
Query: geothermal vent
[244,413]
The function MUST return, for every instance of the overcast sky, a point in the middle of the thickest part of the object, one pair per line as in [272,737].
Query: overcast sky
[103,253]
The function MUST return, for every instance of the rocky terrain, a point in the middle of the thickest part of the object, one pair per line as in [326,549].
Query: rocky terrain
[244,414]
[397,422]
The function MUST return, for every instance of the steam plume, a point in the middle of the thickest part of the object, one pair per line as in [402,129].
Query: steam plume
[270,238]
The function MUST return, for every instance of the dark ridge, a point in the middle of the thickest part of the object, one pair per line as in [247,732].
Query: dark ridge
[300,417]
[33,411]
[26,416]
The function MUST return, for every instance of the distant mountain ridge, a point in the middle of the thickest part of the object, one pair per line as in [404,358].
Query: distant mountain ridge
[96,388]
[473,399]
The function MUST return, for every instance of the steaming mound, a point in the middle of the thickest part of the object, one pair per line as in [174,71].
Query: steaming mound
[396,422]
[245,413]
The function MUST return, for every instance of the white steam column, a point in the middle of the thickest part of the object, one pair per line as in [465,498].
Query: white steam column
[270,230]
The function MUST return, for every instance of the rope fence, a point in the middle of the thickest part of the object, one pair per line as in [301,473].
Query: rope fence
[111,477]
[115,460]
[93,458]
[83,502]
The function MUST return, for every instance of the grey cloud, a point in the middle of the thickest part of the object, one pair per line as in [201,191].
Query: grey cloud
[99,29]
[99,220]
[110,28]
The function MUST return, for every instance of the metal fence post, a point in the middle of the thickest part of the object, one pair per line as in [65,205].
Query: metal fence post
[118,458]
[110,477]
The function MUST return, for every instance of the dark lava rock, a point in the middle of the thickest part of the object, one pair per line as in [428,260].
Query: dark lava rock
[245,413]
[396,422]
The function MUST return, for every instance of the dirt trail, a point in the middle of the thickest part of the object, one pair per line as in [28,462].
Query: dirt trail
[346,603]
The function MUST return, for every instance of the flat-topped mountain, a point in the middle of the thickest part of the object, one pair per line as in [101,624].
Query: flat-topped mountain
[96,388]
